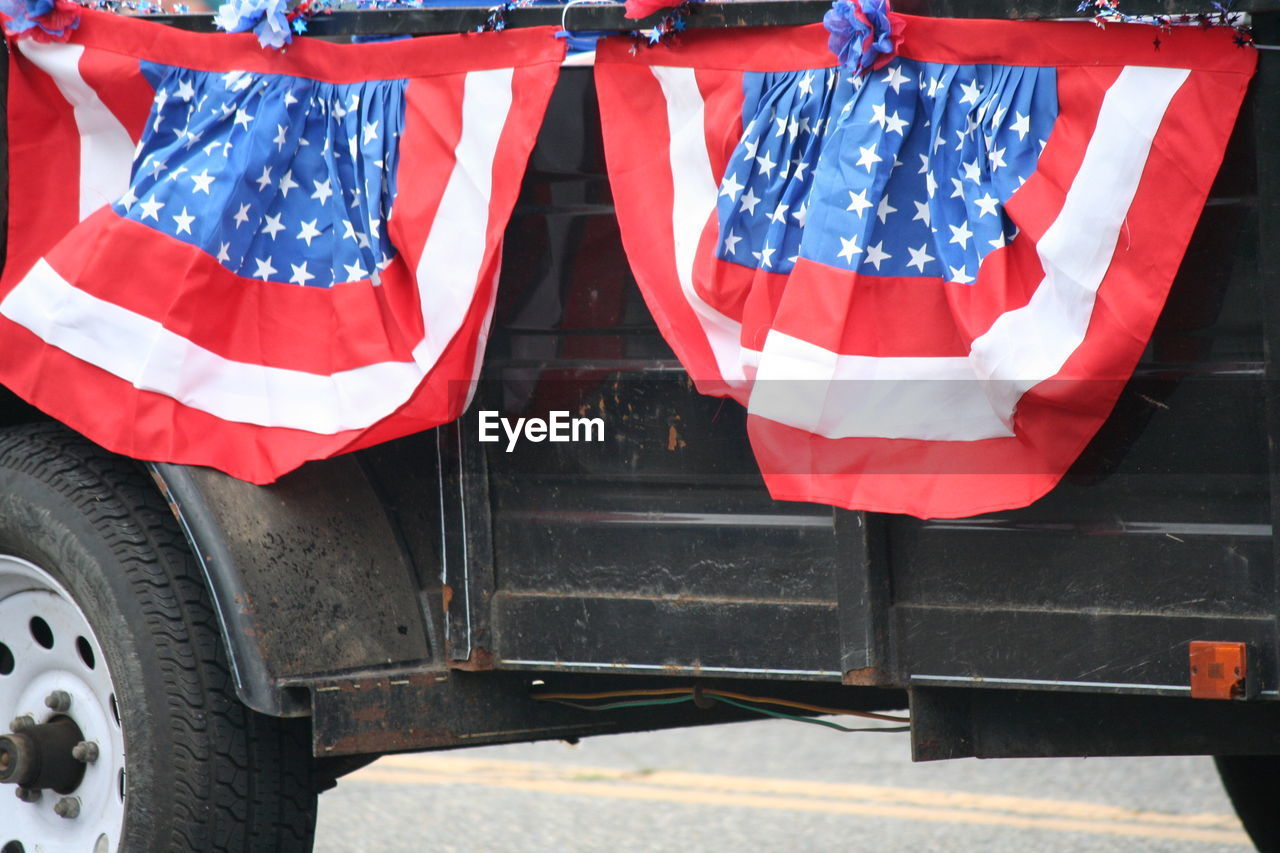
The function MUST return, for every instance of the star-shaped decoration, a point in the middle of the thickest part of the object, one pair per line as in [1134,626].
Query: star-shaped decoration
[185,91]
[300,274]
[879,115]
[730,187]
[922,212]
[766,163]
[895,124]
[876,254]
[883,211]
[972,91]
[895,78]
[264,180]
[355,272]
[920,257]
[750,145]
[151,209]
[961,234]
[243,118]
[972,172]
[987,204]
[348,230]
[264,268]
[849,248]
[289,99]
[996,158]
[183,222]
[779,213]
[799,165]
[930,184]
[370,132]
[731,242]
[806,83]
[999,242]
[749,202]
[781,121]
[203,182]
[273,225]
[287,183]
[323,192]
[157,166]
[1021,125]
[309,231]
[765,256]
[958,192]
[802,214]
[128,199]
[281,136]
[858,202]
[242,215]
[867,156]
[223,256]
[960,275]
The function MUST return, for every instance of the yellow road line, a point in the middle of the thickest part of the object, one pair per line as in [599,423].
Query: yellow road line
[804,796]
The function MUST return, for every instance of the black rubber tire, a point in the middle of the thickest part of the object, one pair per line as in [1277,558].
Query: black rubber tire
[204,773]
[1253,784]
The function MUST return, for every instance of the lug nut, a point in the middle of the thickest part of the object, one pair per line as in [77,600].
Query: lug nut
[68,807]
[28,795]
[86,752]
[59,701]
[20,723]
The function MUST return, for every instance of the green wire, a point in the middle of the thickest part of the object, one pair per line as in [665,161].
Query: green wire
[770,713]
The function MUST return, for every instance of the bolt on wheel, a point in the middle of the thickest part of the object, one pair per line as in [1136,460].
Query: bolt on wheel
[62,756]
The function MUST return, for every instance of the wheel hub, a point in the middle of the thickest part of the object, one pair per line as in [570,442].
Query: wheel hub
[62,763]
[41,756]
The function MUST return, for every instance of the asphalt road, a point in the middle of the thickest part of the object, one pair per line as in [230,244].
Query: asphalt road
[771,786]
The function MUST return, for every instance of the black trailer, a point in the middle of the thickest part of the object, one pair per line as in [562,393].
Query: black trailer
[428,593]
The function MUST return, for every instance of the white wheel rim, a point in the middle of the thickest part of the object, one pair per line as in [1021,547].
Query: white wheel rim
[73,663]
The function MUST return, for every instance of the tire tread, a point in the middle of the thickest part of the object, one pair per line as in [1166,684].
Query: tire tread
[244,778]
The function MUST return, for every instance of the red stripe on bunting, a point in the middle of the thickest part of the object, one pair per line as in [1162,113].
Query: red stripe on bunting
[119,84]
[1046,44]
[43,149]
[637,139]
[243,319]
[316,59]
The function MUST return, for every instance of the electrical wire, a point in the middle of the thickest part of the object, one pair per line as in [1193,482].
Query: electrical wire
[712,693]
[678,695]
[816,722]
